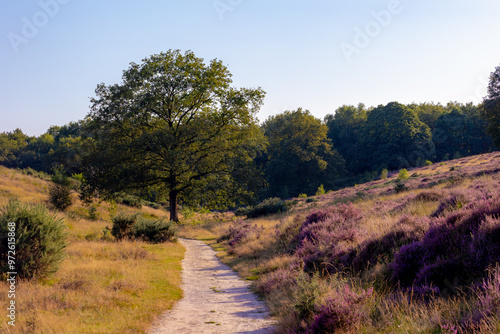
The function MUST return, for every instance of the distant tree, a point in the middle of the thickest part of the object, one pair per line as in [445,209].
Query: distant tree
[461,131]
[491,106]
[393,137]
[300,156]
[344,129]
[175,123]
[12,145]
[428,113]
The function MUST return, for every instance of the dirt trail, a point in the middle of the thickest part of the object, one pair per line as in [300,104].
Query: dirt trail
[215,299]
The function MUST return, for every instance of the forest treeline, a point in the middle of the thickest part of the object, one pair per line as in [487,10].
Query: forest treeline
[300,152]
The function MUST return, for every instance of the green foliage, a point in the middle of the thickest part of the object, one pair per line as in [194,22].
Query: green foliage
[491,106]
[93,213]
[427,163]
[394,137]
[154,231]
[400,186]
[188,142]
[461,131]
[403,175]
[344,129]
[123,226]
[384,174]
[129,200]
[40,239]
[299,146]
[59,191]
[302,196]
[135,227]
[320,191]
[267,207]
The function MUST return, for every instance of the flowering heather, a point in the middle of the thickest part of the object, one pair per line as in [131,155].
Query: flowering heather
[343,310]
[238,231]
[325,237]
[455,250]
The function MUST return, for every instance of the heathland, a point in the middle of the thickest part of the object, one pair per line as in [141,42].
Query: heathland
[102,286]
[411,252]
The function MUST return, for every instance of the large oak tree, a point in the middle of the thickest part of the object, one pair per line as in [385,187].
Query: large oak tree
[174,123]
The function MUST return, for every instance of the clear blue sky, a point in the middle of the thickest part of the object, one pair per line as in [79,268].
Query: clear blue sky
[315,54]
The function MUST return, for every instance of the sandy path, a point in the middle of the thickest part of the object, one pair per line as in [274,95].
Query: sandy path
[215,299]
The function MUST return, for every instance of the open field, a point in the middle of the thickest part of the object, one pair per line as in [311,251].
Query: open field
[102,286]
[376,258]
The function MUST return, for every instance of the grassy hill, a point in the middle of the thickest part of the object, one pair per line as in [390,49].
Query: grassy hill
[415,255]
[102,286]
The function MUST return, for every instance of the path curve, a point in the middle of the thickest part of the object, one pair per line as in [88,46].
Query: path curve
[215,299]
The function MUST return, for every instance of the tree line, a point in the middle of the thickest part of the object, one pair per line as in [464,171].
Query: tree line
[176,127]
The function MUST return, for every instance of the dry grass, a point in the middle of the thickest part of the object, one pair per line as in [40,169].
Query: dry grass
[102,286]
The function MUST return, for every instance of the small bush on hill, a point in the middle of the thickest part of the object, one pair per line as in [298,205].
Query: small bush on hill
[384,174]
[268,207]
[60,192]
[320,191]
[40,240]
[403,175]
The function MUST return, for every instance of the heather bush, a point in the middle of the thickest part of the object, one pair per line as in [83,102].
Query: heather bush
[455,251]
[382,250]
[40,240]
[326,236]
[343,310]
[237,232]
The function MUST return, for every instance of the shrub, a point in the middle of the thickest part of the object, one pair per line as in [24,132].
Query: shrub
[400,186]
[134,227]
[428,163]
[154,231]
[302,195]
[40,239]
[384,174]
[403,175]
[129,200]
[268,207]
[93,213]
[60,196]
[123,226]
[320,191]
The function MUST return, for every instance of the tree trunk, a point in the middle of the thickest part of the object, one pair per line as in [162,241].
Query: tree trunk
[174,214]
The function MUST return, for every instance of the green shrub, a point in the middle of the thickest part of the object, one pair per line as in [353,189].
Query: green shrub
[268,207]
[154,231]
[428,163]
[59,191]
[123,226]
[320,191]
[60,196]
[40,240]
[403,174]
[93,214]
[384,174]
[400,186]
[303,196]
[134,227]
[129,200]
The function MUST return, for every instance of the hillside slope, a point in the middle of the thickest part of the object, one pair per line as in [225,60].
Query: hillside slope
[416,255]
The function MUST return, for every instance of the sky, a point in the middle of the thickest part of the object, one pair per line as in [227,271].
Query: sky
[317,55]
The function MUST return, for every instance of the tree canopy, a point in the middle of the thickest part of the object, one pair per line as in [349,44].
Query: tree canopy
[491,106]
[300,156]
[175,123]
[393,137]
